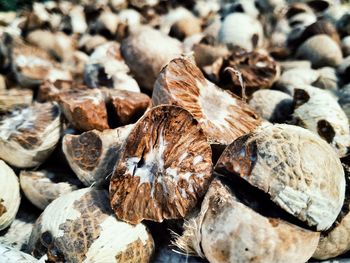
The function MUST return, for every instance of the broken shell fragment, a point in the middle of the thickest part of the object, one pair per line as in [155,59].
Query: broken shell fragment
[227,229]
[165,168]
[318,111]
[42,187]
[127,106]
[298,170]
[145,58]
[9,195]
[80,227]
[29,135]
[222,116]
[15,97]
[93,154]
[321,50]
[9,254]
[272,105]
[85,109]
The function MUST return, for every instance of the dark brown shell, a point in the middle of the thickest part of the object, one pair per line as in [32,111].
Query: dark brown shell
[165,169]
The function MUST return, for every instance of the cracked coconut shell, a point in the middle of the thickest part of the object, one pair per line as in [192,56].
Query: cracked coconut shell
[319,111]
[165,168]
[93,154]
[222,116]
[9,195]
[11,98]
[228,230]
[80,227]
[29,135]
[298,170]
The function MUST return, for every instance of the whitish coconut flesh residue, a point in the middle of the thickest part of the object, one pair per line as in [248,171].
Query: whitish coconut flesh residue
[215,103]
[32,61]
[114,238]
[60,211]
[153,157]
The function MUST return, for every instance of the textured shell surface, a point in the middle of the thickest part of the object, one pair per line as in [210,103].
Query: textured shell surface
[300,171]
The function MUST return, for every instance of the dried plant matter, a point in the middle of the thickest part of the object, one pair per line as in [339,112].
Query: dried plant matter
[222,116]
[165,168]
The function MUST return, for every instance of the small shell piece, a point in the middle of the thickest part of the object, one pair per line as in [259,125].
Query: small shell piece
[30,134]
[321,50]
[318,111]
[93,154]
[165,168]
[146,51]
[222,116]
[239,29]
[85,109]
[42,187]
[10,255]
[272,105]
[9,195]
[80,227]
[128,106]
[226,230]
[298,170]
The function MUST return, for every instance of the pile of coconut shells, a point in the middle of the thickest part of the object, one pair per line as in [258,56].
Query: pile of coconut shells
[175,131]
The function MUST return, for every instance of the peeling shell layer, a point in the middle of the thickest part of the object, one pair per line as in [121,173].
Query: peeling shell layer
[298,170]
[165,168]
[222,116]
[251,238]
[42,187]
[93,154]
[84,217]
[30,134]
[9,195]
[318,111]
